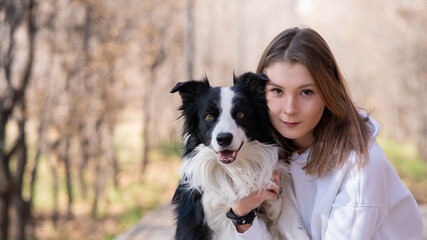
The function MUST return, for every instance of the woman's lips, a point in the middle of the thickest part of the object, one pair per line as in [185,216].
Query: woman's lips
[291,124]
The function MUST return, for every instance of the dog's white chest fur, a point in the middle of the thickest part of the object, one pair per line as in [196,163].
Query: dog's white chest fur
[222,184]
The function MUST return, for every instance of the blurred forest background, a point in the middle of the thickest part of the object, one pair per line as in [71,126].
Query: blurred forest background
[89,139]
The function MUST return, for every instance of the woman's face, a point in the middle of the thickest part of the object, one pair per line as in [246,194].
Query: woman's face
[294,102]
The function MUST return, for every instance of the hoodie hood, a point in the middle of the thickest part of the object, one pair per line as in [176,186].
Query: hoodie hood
[373,126]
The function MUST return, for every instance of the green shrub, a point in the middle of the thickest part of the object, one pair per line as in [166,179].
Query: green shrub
[405,159]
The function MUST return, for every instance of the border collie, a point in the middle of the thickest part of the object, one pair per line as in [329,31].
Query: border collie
[229,152]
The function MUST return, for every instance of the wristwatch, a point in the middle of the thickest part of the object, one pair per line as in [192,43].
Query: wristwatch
[241,220]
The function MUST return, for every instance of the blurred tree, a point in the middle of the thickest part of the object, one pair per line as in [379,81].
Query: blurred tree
[86,39]
[47,101]
[412,58]
[81,59]
[154,53]
[14,81]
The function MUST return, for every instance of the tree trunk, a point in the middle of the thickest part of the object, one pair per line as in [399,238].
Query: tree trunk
[54,159]
[5,181]
[190,38]
[68,177]
[97,185]
[40,143]
[55,191]
[146,124]
[5,192]
[145,132]
[21,206]
[84,150]
[110,151]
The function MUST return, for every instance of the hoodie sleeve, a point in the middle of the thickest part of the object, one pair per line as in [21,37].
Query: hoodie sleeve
[257,231]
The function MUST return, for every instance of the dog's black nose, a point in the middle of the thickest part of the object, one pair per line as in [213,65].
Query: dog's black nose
[224,138]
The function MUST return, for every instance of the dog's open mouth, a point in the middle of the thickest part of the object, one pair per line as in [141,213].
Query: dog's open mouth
[227,156]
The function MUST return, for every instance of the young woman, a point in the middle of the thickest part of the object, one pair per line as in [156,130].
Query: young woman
[345,188]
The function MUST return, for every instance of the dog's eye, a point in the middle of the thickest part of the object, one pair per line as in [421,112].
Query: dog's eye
[209,117]
[240,115]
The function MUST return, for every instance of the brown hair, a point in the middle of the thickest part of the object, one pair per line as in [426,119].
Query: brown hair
[341,130]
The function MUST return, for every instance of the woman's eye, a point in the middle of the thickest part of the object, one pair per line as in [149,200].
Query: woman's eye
[306,92]
[277,91]
[240,115]
[209,117]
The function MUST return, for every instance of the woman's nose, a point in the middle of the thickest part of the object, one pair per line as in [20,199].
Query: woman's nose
[290,106]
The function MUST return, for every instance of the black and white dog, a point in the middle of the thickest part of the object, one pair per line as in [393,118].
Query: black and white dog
[229,152]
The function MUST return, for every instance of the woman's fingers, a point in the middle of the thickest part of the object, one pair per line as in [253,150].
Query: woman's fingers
[276,177]
[273,192]
[271,195]
[276,187]
[254,200]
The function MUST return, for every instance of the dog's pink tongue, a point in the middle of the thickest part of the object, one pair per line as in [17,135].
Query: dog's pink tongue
[227,156]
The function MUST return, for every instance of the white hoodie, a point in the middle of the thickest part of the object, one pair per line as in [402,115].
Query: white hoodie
[370,203]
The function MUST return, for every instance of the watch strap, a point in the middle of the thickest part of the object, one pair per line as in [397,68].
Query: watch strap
[241,220]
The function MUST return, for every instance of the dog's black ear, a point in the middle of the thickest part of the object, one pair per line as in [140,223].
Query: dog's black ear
[253,81]
[191,89]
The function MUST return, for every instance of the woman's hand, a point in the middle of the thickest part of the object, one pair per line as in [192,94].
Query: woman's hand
[254,200]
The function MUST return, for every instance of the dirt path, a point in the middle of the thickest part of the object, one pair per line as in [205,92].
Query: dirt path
[156,225]
[159,225]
